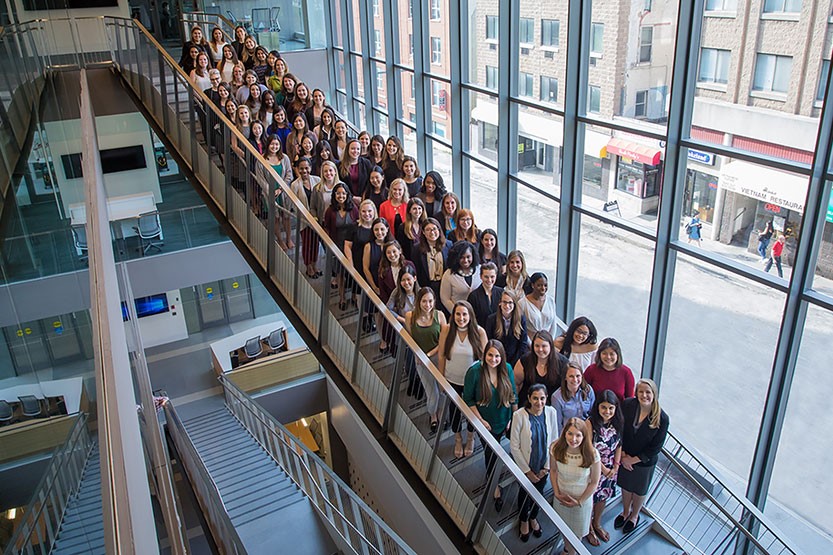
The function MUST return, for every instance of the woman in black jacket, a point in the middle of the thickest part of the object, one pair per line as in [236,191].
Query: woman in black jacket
[646,426]
[355,170]
[508,325]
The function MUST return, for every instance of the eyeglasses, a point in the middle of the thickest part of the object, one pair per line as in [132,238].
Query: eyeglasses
[581,333]
[507,303]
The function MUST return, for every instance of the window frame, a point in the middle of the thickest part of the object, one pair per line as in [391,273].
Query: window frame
[550,24]
[493,70]
[492,28]
[434,10]
[526,84]
[436,89]
[549,89]
[596,35]
[594,91]
[641,59]
[436,53]
[784,7]
[644,104]
[768,87]
[526,30]
[824,70]
[717,73]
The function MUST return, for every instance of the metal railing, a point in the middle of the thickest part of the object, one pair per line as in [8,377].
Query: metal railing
[362,530]
[206,21]
[238,180]
[722,522]
[41,520]
[208,494]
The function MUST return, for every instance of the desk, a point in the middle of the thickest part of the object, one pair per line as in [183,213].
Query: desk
[221,349]
[119,209]
[266,350]
[71,389]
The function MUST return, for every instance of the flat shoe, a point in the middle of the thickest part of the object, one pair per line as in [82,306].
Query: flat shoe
[434,426]
[630,526]
[619,522]
[592,539]
[498,503]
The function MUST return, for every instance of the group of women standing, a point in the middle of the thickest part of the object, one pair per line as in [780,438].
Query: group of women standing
[488,326]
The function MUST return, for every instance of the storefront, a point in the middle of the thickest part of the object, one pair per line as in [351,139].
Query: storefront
[638,175]
[701,184]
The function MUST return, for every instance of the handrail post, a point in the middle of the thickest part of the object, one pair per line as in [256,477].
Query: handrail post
[354,365]
[296,279]
[479,514]
[271,235]
[393,395]
[438,437]
[325,297]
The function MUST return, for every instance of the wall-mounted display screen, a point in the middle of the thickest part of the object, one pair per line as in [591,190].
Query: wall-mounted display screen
[112,160]
[147,306]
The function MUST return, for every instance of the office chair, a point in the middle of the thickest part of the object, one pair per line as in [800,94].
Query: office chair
[253,347]
[79,236]
[149,229]
[275,340]
[31,405]
[6,412]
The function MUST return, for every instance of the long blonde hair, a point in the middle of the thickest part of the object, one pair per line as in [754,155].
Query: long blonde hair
[515,321]
[656,410]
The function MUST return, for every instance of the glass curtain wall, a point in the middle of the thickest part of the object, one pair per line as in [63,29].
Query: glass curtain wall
[667,164]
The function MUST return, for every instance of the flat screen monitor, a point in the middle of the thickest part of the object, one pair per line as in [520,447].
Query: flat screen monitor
[113,160]
[147,306]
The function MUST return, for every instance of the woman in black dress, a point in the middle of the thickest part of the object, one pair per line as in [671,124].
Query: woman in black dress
[646,426]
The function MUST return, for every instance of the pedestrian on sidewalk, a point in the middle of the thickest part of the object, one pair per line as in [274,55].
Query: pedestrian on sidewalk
[764,237]
[692,228]
[775,255]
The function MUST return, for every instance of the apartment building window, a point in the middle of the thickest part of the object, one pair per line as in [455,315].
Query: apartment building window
[491,77]
[525,84]
[411,44]
[380,83]
[714,66]
[646,41]
[596,38]
[436,93]
[435,10]
[594,99]
[410,9]
[527,30]
[721,5]
[377,42]
[640,109]
[772,73]
[376,8]
[825,70]
[439,129]
[549,89]
[436,51]
[491,27]
[782,6]
[550,29]
[413,86]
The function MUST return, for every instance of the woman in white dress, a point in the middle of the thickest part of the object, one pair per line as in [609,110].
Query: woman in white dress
[575,469]
[539,308]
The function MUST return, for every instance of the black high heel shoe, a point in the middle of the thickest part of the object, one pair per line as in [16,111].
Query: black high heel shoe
[524,537]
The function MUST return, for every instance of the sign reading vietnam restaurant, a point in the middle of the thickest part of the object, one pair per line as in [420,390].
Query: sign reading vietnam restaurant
[765,184]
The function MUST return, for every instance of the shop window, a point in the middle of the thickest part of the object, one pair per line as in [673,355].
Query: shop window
[700,194]
[592,172]
[489,136]
[636,178]
[772,73]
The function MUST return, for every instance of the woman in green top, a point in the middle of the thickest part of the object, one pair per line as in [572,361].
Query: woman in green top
[489,391]
[424,323]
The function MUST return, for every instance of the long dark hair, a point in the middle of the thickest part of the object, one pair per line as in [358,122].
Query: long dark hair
[556,362]
[567,345]
[348,204]
[504,387]
[439,184]
[618,420]
[472,335]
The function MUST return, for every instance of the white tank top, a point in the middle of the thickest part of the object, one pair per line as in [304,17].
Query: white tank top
[461,359]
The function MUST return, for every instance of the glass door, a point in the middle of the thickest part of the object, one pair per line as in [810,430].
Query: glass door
[238,298]
[210,306]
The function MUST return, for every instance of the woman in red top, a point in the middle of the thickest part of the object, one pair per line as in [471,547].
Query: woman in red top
[396,205]
[608,372]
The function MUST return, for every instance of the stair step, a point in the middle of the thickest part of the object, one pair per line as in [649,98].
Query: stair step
[255,512]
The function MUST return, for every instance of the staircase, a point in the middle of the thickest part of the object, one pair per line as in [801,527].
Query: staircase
[82,528]
[265,506]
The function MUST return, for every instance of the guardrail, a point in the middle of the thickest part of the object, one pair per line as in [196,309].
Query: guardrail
[726,522]
[208,495]
[365,531]
[42,518]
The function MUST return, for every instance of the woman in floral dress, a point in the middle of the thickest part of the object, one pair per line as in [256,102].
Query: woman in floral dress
[606,419]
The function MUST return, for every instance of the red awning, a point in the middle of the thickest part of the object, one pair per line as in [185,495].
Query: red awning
[640,153]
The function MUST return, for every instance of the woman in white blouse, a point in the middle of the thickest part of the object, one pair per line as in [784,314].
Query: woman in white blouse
[539,308]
